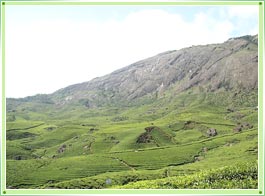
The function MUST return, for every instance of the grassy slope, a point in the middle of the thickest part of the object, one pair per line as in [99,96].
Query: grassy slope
[100,144]
[241,176]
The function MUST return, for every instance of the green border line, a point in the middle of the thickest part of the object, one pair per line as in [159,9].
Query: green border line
[194,3]
[260,101]
[132,191]
[138,191]
[3,146]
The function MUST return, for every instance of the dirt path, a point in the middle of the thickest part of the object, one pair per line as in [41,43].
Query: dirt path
[26,127]
[123,162]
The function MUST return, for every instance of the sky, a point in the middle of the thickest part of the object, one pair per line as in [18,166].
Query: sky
[51,47]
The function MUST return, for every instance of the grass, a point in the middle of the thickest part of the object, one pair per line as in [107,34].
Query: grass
[35,172]
[241,176]
[77,147]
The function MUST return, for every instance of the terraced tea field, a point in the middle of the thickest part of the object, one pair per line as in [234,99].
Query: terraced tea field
[154,143]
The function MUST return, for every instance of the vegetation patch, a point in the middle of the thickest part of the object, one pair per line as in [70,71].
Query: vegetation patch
[172,141]
[241,176]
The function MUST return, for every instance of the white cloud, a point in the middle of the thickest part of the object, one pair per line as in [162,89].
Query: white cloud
[245,17]
[43,56]
[243,11]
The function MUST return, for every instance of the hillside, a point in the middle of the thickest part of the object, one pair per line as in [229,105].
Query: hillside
[175,114]
[211,66]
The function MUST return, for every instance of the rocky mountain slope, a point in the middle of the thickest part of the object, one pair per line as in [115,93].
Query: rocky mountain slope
[230,65]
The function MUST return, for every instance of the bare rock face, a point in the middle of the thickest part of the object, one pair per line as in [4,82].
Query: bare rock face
[232,64]
[242,126]
[211,132]
[229,65]
[61,149]
[146,137]
[237,129]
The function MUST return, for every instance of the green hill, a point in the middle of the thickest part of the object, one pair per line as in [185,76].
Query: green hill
[127,127]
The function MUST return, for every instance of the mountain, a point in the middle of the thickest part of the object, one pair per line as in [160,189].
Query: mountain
[185,118]
[230,65]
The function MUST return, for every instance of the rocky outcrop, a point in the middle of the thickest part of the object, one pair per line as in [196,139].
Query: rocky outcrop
[211,132]
[232,64]
[229,65]
[61,149]
[242,126]
[146,137]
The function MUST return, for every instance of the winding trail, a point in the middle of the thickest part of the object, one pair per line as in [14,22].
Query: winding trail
[124,163]
[26,128]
